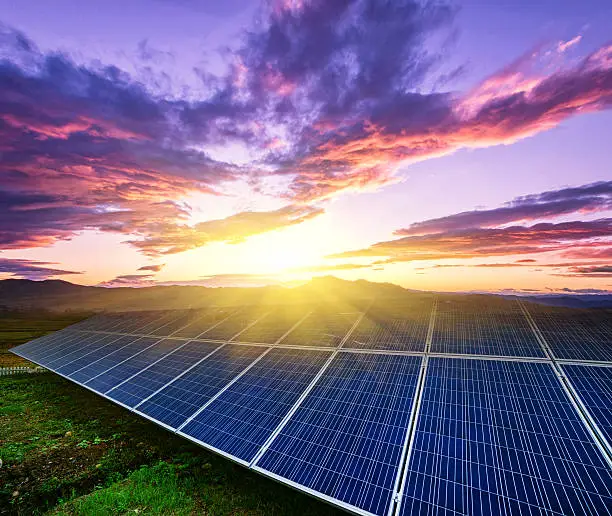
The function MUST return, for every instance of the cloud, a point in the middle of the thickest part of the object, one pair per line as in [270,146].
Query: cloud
[330,96]
[562,46]
[573,248]
[585,290]
[351,116]
[31,269]
[482,242]
[233,229]
[152,268]
[593,271]
[332,267]
[236,280]
[89,148]
[130,280]
[585,199]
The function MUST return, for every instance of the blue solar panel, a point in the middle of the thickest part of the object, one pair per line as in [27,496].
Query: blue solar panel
[270,328]
[207,320]
[149,322]
[462,327]
[321,328]
[59,347]
[240,420]
[93,347]
[575,334]
[400,328]
[594,387]
[37,349]
[147,382]
[111,359]
[501,437]
[346,438]
[232,325]
[181,399]
[124,370]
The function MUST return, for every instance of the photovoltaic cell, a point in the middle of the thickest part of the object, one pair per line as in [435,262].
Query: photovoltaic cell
[467,327]
[573,333]
[397,328]
[232,325]
[97,367]
[38,348]
[501,437]
[346,438]
[594,387]
[207,319]
[186,318]
[123,370]
[323,329]
[90,351]
[150,322]
[277,322]
[241,420]
[73,346]
[178,401]
[147,382]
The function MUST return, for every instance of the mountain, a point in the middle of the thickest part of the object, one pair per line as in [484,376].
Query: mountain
[56,295]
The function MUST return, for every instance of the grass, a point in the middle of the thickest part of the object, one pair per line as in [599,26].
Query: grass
[67,451]
[19,327]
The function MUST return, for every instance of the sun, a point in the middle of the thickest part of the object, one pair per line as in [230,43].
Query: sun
[279,261]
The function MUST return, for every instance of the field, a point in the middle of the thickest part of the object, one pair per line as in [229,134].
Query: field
[65,450]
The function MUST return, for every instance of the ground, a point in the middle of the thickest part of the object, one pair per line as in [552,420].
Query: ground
[65,450]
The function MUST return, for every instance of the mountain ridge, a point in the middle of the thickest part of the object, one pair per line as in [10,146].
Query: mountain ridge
[60,295]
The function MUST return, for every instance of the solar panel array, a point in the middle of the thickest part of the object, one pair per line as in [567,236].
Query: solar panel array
[447,405]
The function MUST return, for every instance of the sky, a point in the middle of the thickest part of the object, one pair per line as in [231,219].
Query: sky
[450,146]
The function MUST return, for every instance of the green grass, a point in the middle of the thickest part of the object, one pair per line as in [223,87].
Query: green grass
[19,327]
[67,451]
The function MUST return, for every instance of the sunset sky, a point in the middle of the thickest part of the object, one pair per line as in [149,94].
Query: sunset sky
[439,146]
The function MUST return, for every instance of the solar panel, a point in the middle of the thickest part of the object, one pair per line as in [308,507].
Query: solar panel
[148,382]
[402,327]
[322,329]
[131,347]
[241,420]
[463,327]
[575,334]
[345,440]
[39,349]
[594,387]
[233,325]
[362,415]
[92,348]
[174,404]
[501,437]
[207,319]
[123,370]
[278,322]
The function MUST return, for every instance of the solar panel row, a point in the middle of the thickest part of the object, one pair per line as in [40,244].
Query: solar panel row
[497,436]
[463,327]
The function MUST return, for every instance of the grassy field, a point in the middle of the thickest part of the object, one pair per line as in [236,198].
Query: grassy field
[19,327]
[66,451]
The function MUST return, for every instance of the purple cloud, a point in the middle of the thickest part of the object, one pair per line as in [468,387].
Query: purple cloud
[152,268]
[31,269]
[588,198]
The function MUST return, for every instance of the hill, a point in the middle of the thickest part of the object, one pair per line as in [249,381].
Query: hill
[56,295]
